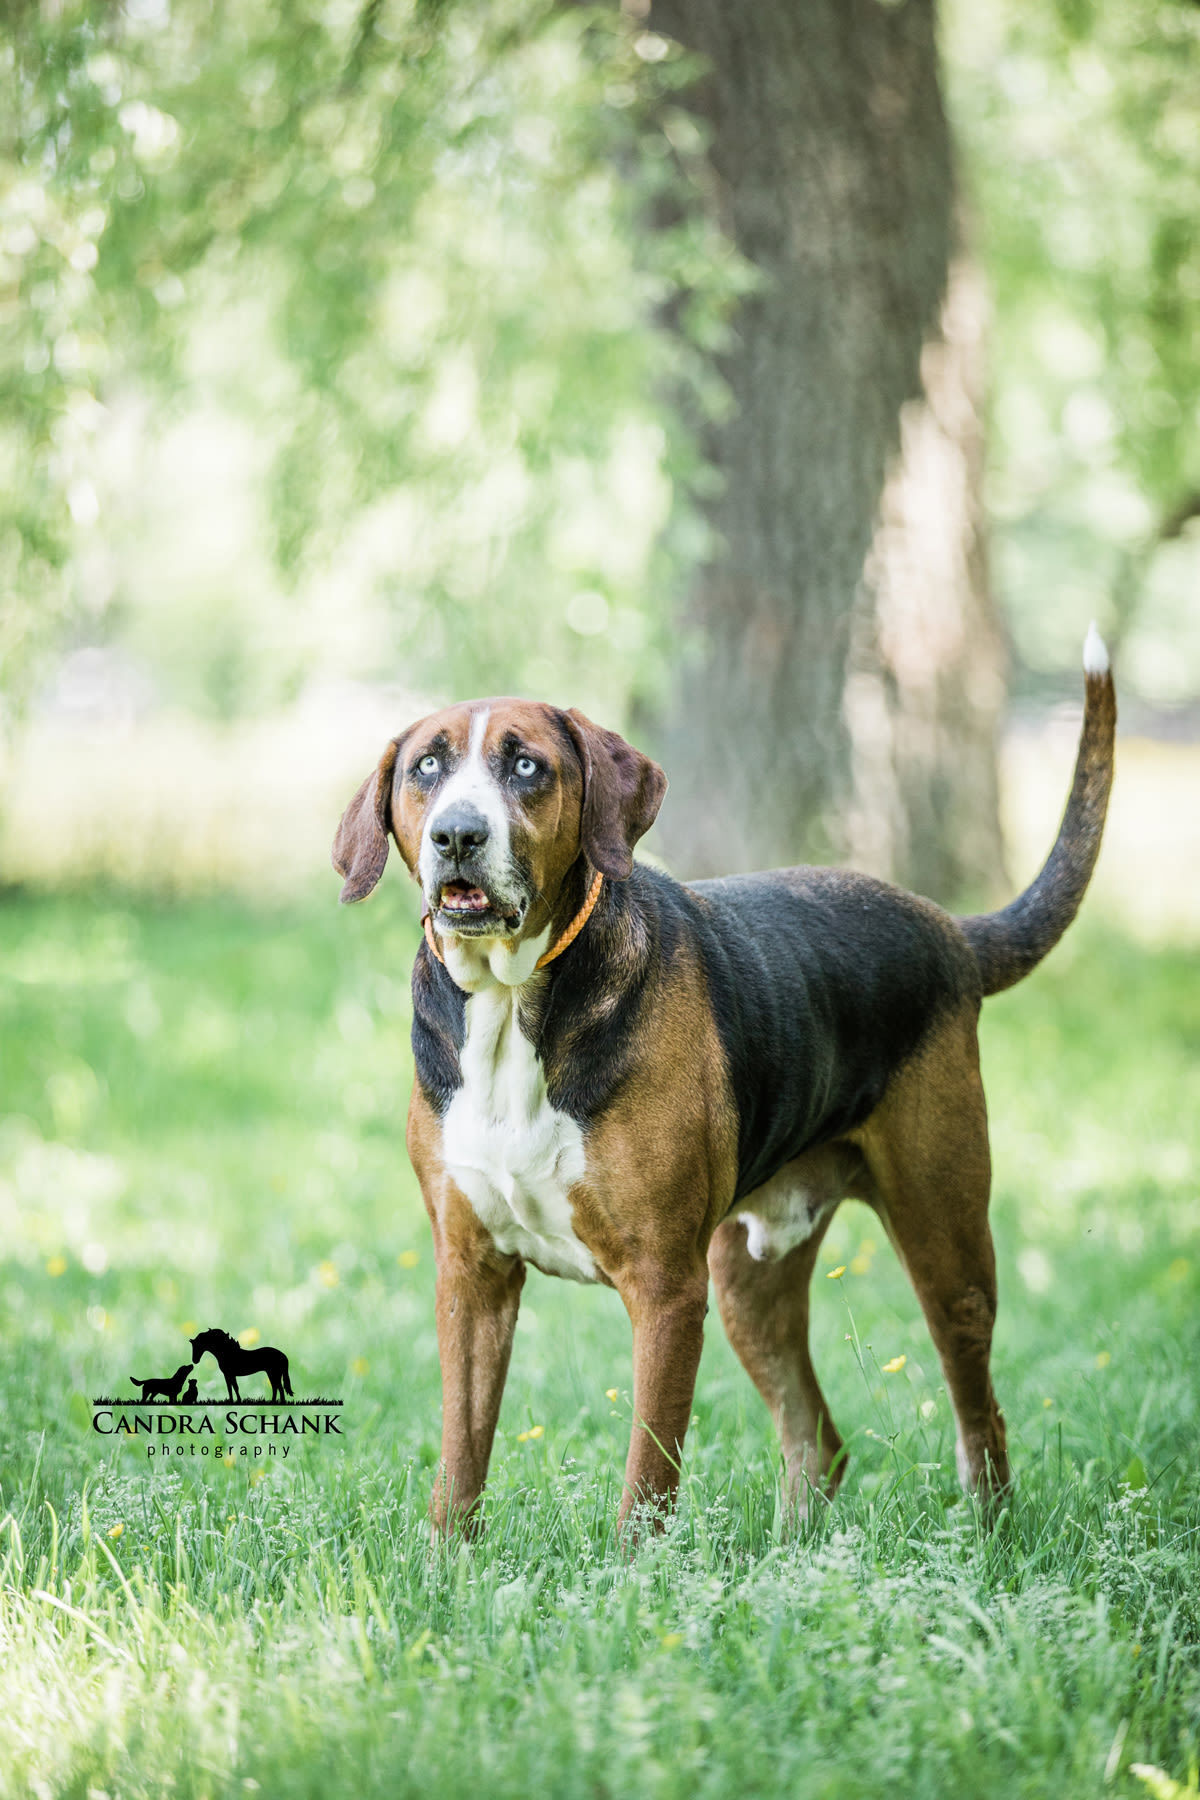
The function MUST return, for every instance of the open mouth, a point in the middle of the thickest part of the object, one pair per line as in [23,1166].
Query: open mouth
[464,907]
[457,897]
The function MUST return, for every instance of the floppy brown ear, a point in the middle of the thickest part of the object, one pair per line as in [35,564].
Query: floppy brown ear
[622,792]
[360,846]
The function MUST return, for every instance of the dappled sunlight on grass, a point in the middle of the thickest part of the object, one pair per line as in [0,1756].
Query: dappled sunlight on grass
[205,1126]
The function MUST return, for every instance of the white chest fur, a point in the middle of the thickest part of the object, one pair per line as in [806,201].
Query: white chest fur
[514,1157]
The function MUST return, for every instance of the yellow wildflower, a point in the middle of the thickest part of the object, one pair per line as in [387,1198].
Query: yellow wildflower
[408,1259]
[117,1529]
[327,1274]
[56,1265]
[836,1274]
[894,1367]
[671,1640]
[610,1393]
[1047,1401]
[359,1366]
[1103,1358]
[248,1338]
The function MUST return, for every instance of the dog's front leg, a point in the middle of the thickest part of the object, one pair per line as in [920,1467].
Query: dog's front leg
[668,1334]
[478,1293]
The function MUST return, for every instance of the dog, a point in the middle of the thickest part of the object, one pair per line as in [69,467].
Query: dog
[191,1394]
[168,1385]
[627,1080]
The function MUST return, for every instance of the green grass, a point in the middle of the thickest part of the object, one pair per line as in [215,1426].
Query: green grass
[203,1126]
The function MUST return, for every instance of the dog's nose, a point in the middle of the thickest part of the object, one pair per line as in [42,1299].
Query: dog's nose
[458,835]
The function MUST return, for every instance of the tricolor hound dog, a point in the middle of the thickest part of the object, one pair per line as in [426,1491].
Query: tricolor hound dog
[623,1079]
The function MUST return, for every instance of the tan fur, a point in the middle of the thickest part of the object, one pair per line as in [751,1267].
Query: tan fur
[764,1309]
[926,1146]
[550,837]
[662,1164]
[665,1162]
[922,1161]
[478,1293]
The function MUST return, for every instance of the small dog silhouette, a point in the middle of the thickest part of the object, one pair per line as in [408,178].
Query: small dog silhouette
[191,1393]
[166,1385]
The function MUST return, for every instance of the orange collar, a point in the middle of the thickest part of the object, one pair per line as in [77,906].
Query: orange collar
[565,941]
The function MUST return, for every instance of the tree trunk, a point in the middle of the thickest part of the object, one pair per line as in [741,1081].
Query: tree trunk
[840,673]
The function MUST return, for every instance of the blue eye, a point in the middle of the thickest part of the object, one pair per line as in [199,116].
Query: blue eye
[428,765]
[525,767]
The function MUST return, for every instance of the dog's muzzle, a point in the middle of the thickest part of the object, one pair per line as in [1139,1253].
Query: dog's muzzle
[464,895]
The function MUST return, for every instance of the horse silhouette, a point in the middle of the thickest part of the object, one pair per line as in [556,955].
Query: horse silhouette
[166,1385]
[233,1361]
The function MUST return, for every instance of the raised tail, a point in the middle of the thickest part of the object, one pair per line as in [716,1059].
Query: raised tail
[1009,943]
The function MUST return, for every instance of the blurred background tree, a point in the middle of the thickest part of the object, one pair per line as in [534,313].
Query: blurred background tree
[386,254]
[468,346]
[844,685]
[1079,125]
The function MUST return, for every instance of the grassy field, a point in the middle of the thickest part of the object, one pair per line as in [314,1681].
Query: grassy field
[203,1126]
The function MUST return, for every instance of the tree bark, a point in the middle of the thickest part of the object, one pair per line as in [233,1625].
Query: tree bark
[841,674]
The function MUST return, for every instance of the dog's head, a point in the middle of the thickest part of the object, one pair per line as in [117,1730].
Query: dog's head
[182,1370]
[491,804]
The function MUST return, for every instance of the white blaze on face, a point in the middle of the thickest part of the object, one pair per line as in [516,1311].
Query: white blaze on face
[471,788]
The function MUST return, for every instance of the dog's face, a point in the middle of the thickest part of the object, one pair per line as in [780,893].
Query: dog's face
[486,810]
[491,803]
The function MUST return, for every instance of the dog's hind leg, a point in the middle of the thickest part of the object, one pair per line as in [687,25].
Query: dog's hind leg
[762,1259]
[926,1146]
[764,1309]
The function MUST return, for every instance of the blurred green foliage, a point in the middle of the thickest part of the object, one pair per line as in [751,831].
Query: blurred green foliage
[404,235]
[1079,124]
[456,267]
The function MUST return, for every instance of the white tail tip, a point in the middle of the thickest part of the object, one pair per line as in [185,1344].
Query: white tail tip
[1095,654]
